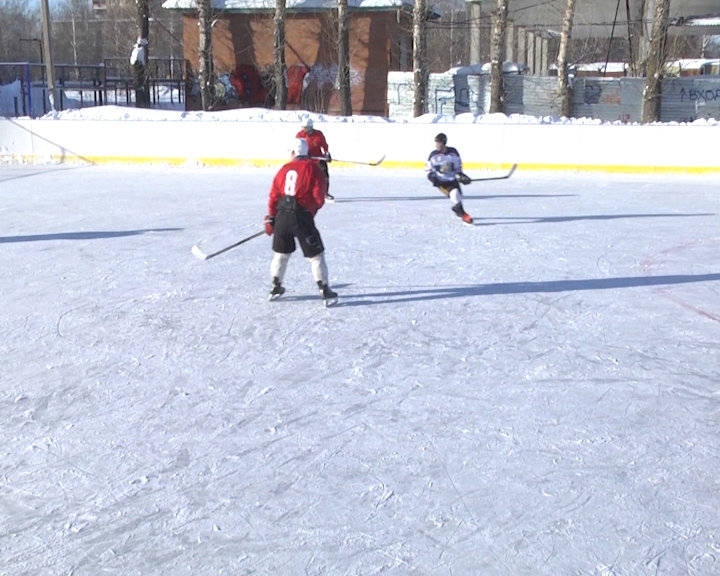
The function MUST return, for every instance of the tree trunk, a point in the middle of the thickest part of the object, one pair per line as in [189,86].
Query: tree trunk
[280,79]
[140,56]
[205,68]
[562,60]
[420,58]
[497,56]
[641,12]
[657,55]
[344,59]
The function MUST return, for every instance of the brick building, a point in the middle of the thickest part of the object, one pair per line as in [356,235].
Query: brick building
[242,42]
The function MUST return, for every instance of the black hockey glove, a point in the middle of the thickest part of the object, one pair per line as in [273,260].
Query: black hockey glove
[464,178]
[269,225]
[328,158]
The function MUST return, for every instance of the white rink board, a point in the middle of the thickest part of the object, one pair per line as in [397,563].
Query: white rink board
[574,147]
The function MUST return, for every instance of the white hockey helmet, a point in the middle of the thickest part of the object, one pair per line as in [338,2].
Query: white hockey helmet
[306,123]
[299,146]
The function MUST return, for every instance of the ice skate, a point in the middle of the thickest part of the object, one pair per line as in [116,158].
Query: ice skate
[277,290]
[460,213]
[329,296]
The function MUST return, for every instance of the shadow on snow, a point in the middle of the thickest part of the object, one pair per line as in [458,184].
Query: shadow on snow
[442,197]
[555,219]
[438,293]
[92,235]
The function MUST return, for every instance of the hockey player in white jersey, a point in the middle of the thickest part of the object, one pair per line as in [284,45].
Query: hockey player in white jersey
[444,170]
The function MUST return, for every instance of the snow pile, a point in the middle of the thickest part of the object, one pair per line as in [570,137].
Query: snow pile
[11,93]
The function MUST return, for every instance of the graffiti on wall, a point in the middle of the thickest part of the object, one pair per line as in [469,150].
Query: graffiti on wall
[311,87]
[595,93]
[697,95]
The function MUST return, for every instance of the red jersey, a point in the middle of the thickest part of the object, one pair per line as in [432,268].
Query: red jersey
[317,145]
[303,179]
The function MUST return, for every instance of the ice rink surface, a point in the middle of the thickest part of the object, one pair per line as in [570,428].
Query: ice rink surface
[535,395]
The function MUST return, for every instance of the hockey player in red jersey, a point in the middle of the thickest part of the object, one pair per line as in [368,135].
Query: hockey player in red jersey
[444,170]
[297,193]
[317,148]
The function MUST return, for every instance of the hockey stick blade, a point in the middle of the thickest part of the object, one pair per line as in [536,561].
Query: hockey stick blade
[375,163]
[199,253]
[378,162]
[504,177]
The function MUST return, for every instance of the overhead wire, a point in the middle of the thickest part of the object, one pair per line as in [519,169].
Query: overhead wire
[612,35]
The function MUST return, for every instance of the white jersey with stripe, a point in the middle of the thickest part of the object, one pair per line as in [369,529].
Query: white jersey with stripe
[446,164]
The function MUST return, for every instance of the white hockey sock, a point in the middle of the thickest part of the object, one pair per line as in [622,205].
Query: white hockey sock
[319,268]
[456,196]
[278,265]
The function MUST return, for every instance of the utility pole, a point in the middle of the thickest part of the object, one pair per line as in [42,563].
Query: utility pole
[48,53]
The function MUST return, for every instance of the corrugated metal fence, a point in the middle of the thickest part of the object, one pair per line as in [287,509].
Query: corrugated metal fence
[684,99]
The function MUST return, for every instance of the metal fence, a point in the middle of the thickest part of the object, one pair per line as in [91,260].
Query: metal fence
[684,99]
[82,86]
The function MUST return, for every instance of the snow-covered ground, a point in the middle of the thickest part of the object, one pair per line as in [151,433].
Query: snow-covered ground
[534,395]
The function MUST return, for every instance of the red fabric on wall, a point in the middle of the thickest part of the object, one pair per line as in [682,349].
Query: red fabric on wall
[248,83]
[296,74]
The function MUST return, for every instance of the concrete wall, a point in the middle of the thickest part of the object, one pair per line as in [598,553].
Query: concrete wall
[575,147]
[608,99]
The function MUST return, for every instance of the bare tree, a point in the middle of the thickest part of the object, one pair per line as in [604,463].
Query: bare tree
[420,70]
[20,32]
[497,55]
[205,67]
[280,74]
[140,56]
[115,29]
[562,59]
[657,54]
[449,39]
[344,59]
[84,36]
[73,40]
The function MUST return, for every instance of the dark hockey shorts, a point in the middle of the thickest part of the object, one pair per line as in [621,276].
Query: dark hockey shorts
[326,171]
[298,223]
[451,185]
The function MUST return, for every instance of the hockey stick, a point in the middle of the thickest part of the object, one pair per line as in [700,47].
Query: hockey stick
[505,177]
[376,163]
[199,253]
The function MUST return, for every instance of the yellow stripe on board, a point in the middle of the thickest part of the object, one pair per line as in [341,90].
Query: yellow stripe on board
[620,169]
[387,164]
[597,168]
